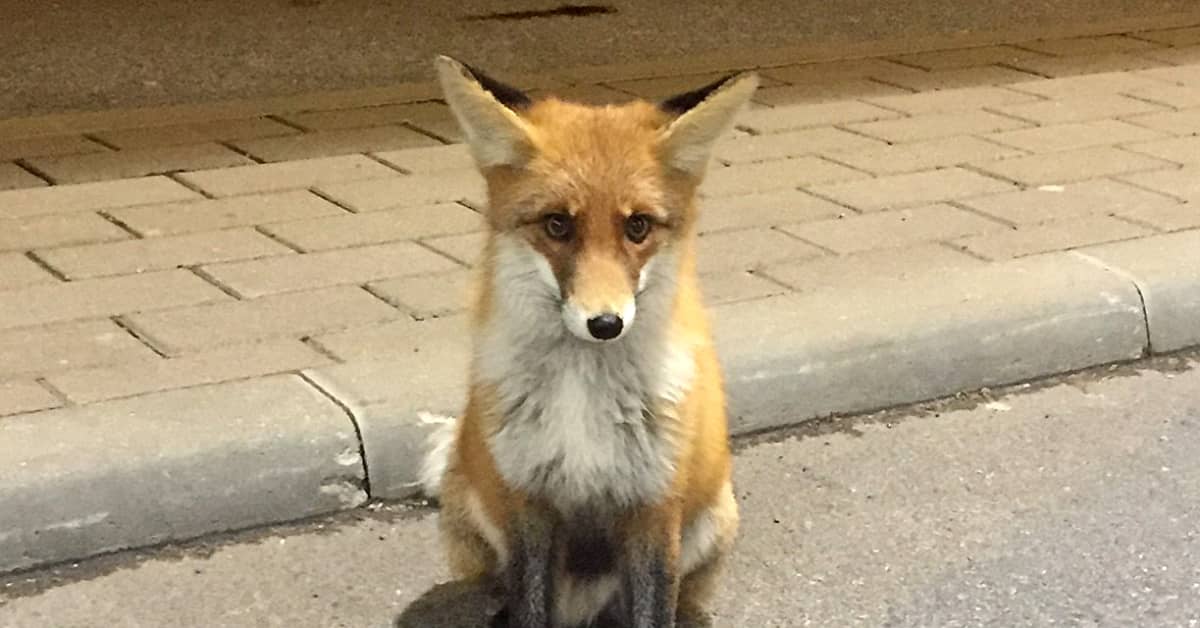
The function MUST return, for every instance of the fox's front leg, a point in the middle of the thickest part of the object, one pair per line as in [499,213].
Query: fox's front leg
[529,574]
[651,582]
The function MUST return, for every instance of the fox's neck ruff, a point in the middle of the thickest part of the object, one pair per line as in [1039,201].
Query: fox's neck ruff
[581,424]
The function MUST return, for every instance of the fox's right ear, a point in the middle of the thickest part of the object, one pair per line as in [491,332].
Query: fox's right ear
[488,112]
[701,117]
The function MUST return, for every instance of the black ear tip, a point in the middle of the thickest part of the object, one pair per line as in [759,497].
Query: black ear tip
[682,103]
[508,95]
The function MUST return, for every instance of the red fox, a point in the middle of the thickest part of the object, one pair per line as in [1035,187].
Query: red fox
[589,476]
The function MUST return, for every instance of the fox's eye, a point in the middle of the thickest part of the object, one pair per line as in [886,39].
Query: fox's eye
[637,227]
[559,226]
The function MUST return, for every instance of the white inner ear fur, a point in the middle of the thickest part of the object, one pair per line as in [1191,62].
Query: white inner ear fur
[688,141]
[495,134]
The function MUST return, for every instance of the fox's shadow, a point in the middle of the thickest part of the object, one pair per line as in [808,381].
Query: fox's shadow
[466,605]
[450,605]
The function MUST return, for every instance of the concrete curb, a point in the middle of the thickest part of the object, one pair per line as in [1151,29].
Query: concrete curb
[280,448]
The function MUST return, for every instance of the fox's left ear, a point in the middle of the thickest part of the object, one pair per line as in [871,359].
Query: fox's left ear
[702,117]
[488,113]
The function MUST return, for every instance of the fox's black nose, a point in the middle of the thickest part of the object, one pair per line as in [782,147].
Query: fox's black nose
[605,326]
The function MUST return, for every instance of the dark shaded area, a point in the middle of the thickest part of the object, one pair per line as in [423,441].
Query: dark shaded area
[450,605]
[119,53]
[565,10]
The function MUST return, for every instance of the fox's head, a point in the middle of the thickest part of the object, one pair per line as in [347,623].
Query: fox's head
[592,204]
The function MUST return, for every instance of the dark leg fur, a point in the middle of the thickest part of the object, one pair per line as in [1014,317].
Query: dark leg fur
[530,580]
[500,619]
[650,591]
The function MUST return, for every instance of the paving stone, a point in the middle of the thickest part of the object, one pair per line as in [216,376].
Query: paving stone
[731,287]
[1088,45]
[357,265]
[431,159]
[1051,236]
[1078,110]
[432,117]
[586,94]
[172,466]
[22,396]
[1165,217]
[211,367]
[1185,122]
[110,296]
[1166,269]
[1059,203]
[763,210]
[1073,165]
[817,140]
[947,100]
[774,175]
[408,190]
[61,199]
[17,271]
[17,148]
[403,338]
[1173,36]
[196,133]
[427,296]
[833,70]
[893,229]
[295,314]
[1188,55]
[918,80]
[803,116]
[139,256]
[965,57]
[335,142]
[1188,75]
[305,173]
[877,266]
[24,234]
[1178,96]
[814,93]
[1086,86]
[1064,137]
[14,177]
[346,230]
[463,248]
[1085,64]
[224,213]
[936,125]
[907,190]
[37,351]
[1181,150]
[747,250]
[1183,183]
[925,155]
[667,86]
[136,163]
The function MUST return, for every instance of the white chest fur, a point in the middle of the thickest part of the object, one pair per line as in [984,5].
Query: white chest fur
[582,423]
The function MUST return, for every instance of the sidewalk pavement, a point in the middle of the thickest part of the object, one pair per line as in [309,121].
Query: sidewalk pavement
[222,316]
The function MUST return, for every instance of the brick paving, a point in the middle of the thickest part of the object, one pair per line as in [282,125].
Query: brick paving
[186,250]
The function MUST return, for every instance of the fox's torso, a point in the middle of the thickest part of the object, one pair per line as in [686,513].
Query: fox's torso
[582,426]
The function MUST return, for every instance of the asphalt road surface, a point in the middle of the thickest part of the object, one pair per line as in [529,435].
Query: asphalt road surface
[62,55]
[1068,503]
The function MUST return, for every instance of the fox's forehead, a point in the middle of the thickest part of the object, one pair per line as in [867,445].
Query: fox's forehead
[596,158]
